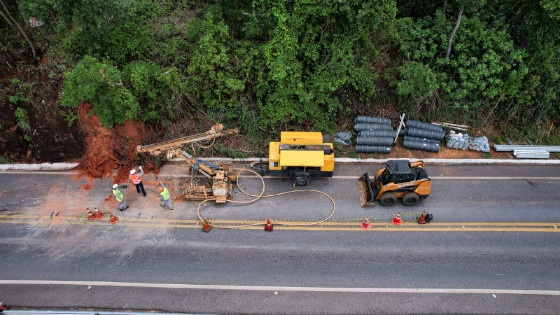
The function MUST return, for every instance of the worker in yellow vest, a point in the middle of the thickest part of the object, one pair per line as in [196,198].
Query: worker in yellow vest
[137,180]
[165,196]
[120,197]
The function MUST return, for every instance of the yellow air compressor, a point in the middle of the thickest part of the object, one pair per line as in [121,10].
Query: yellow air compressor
[300,155]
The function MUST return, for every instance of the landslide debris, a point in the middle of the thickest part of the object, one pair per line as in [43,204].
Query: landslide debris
[109,149]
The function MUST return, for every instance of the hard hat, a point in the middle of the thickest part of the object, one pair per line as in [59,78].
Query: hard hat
[132,172]
[115,186]
[160,188]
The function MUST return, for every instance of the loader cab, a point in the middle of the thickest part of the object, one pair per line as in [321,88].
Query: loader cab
[397,171]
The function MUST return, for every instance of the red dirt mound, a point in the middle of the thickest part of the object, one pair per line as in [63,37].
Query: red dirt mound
[107,150]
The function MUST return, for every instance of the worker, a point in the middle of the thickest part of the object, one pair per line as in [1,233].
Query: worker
[137,180]
[120,198]
[165,196]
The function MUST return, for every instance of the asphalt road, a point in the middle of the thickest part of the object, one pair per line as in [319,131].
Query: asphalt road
[492,247]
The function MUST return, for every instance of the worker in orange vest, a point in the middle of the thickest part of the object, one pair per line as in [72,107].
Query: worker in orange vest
[137,180]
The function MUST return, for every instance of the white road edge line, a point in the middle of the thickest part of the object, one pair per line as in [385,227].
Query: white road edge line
[276,177]
[67,166]
[279,288]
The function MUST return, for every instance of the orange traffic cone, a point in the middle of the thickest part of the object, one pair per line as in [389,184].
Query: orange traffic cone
[98,215]
[366,224]
[268,226]
[113,219]
[206,226]
[421,218]
[397,220]
[90,215]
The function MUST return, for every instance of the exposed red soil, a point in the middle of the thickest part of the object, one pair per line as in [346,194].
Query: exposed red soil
[107,150]
[86,187]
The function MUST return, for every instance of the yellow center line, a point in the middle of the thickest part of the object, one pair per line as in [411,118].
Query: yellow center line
[387,228]
[21,216]
[277,222]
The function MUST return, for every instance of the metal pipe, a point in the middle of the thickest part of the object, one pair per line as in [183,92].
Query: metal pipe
[505,148]
[372,120]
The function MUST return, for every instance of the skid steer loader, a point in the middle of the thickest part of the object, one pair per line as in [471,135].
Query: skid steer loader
[399,179]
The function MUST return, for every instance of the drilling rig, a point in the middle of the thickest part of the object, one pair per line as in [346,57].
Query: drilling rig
[217,180]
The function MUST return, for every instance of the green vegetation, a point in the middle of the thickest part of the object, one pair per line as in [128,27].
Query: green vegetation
[265,66]
[22,119]
[99,83]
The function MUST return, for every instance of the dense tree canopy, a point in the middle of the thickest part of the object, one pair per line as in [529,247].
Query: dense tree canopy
[306,63]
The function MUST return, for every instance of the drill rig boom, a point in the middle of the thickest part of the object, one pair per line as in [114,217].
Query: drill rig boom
[215,132]
[221,177]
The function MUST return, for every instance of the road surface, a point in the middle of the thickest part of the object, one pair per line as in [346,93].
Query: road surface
[492,247]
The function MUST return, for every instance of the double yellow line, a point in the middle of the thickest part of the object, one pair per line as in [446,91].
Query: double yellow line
[289,225]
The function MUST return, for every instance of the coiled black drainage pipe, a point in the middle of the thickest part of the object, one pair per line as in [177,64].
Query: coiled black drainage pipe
[366,126]
[372,149]
[421,139]
[421,145]
[378,133]
[422,125]
[372,120]
[385,141]
[424,133]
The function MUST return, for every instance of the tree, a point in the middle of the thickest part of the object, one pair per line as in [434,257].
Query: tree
[316,54]
[484,67]
[100,84]
[116,30]
[21,31]
[453,32]
[156,91]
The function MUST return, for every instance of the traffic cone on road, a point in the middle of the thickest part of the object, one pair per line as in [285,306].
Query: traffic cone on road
[421,218]
[366,225]
[97,215]
[90,215]
[268,226]
[113,219]
[206,226]
[397,219]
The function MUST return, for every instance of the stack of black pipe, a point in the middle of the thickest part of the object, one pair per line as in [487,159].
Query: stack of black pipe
[423,136]
[375,134]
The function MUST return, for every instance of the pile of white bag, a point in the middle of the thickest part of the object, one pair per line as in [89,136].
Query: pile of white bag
[480,144]
[464,142]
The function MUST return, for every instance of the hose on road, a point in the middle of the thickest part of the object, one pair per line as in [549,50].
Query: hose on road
[262,195]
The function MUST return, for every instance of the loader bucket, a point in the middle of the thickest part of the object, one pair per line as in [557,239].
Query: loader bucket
[365,191]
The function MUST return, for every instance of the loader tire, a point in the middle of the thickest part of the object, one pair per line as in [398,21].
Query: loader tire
[387,199]
[410,199]
[301,179]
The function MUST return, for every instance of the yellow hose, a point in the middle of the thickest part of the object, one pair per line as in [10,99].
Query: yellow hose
[261,195]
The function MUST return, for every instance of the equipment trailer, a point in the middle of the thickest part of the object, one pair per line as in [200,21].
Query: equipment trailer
[300,155]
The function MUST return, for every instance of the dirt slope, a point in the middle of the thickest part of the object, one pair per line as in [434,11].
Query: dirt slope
[111,149]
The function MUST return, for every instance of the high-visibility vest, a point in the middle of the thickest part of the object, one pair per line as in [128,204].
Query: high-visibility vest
[165,194]
[118,195]
[135,179]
